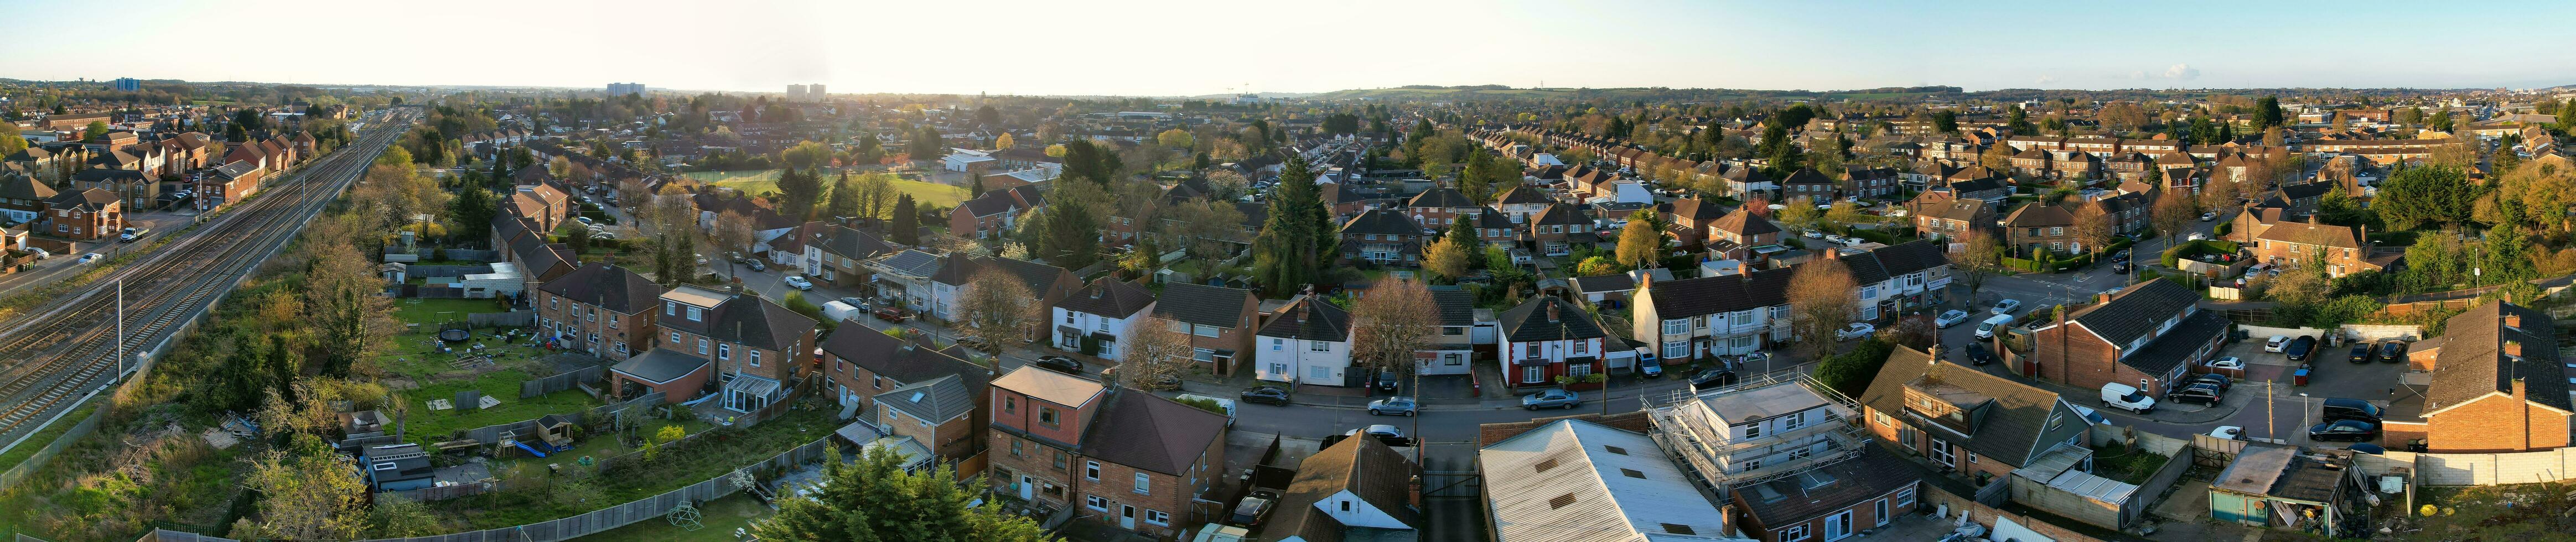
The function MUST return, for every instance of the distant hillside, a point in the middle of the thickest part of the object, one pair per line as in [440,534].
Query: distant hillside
[1428,92]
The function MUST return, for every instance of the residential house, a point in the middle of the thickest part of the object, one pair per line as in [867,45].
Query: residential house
[958,269]
[87,214]
[1688,220]
[1896,279]
[1788,456]
[904,277]
[2499,385]
[1219,319]
[1521,202]
[861,366]
[1355,489]
[1869,182]
[988,215]
[1120,456]
[2341,250]
[1581,481]
[1744,235]
[24,198]
[748,345]
[1547,338]
[2146,336]
[1439,206]
[1807,185]
[1463,328]
[1095,318]
[1556,230]
[547,205]
[944,414]
[1966,420]
[1713,316]
[1941,217]
[1307,342]
[838,256]
[1383,237]
[599,308]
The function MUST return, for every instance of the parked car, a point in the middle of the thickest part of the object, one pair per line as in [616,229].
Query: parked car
[2120,267]
[132,234]
[1551,399]
[2298,349]
[2338,408]
[1386,382]
[891,314]
[2226,362]
[1857,330]
[91,257]
[1835,239]
[1986,329]
[1253,508]
[799,282]
[1648,368]
[2214,379]
[2205,217]
[2228,432]
[2276,343]
[2007,306]
[1267,395]
[40,253]
[1813,234]
[2352,430]
[584,220]
[1949,318]
[1379,431]
[1712,378]
[2201,394]
[756,266]
[2392,351]
[2361,353]
[2126,398]
[1392,406]
[1979,355]
[2196,237]
[1060,364]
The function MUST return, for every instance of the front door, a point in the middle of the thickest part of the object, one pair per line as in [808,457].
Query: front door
[1028,487]
[1838,526]
[1126,517]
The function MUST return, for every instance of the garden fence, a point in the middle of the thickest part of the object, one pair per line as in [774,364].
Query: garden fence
[540,386]
[510,319]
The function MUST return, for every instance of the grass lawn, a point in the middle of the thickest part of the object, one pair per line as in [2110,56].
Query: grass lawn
[672,468]
[427,426]
[756,182]
[46,437]
[426,311]
[718,517]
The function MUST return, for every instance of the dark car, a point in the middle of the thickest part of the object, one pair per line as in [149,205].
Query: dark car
[1266,394]
[891,314]
[1712,378]
[1253,508]
[1978,354]
[2338,408]
[2360,353]
[756,266]
[2352,430]
[1386,382]
[2298,349]
[2120,267]
[2203,394]
[2215,379]
[2392,351]
[1059,364]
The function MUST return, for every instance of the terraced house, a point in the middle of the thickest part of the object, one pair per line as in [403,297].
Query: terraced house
[599,308]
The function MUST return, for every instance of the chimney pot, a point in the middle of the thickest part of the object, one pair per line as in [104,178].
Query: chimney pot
[2513,321]
[2513,348]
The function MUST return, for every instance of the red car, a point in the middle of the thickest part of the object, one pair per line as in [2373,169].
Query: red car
[891,314]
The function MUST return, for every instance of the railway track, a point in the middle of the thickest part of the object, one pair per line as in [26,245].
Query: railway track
[65,352]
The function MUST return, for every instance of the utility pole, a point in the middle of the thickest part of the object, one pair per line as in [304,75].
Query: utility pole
[120,326]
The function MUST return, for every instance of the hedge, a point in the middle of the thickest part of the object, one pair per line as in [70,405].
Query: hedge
[2173,256]
[2054,265]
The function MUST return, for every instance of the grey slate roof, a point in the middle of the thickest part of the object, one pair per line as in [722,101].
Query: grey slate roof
[1440,197]
[1366,467]
[1200,304]
[1108,296]
[854,244]
[750,320]
[660,366]
[1529,321]
[2136,311]
[1148,432]
[938,400]
[903,361]
[1457,306]
[912,263]
[25,187]
[1711,295]
[1312,319]
[1381,222]
[606,286]
[2011,426]
[2472,362]
[1901,259]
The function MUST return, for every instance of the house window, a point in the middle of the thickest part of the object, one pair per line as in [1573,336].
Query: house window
[1010,403]
[755,358]
[1015,447]
[1793,421]
[1533,374]
[1319,346]
[1905,497]
[1753,430]
[670,308]
[1319,372]
[1530,350]
[1944,453]
[1676,350]
[1096,503]
[1144,484]
[1582,347]
[1780,312]
[1278,344]
[1739,318]
[724,351]
[1047,416]
[1157,517]
[1793,533]
[1453,360]
[1206,331]
[1676,327]
[694,312]
[702,347]
[1091,470]
[675,338]
[1280,369]
[1578,370]
[1452,330]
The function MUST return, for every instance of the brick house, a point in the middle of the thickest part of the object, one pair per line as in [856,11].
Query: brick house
[859,366]
[24,198]
[1546,338]
[2146,336]
[1557,229]
[1712,316]
[87,214]
[959,269]
[1898,278]
[1942,217]
[1383,237]
[599,308]
[1869,182]
[1807,184]
[750,346]
[1688,219]
[1436,207]
[1119,456]
[2342,250]
[1735,235]
[839,255]
[1961,418]
[1220,320]
[2498,385]
[945,414]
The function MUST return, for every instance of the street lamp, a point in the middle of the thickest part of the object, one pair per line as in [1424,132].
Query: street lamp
[2303,411]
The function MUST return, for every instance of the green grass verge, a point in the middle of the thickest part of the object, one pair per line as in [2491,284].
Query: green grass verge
[46,437]
[764,181]
[717,520]
[427,311]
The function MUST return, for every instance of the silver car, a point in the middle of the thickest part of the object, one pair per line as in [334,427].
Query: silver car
[1392,406]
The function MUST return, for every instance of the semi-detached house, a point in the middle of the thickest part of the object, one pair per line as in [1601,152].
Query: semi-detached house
[1307,342]
[1121,456]
[1095,319]
[2146,336]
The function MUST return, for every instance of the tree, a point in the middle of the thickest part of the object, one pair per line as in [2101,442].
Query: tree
[1227,184]
[907,221]
[343,304]
[2425,195]
[996,307]
[11,141]
[560,167]
[1641,242]
[1446,258]
[1290,251]
[877,195]
[96,130]
[1208,228]
[306,493]
[1979,258]
[1798,212]
[396,516]
[1822,298]
[1153,349]
[1394,320]
[806,155]
[876,500]
[845,197]
[733,233]
[2172,213]
[800,192]
[472,210]
[1005,142]
[2093,227]
[1176,138]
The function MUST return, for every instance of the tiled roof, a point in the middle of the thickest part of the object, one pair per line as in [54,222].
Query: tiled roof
[1745,223]
[2136,311]
[1440,197]
[2472,363]
[750,320]
[1872,266]
[2008,431]
[1531,321]
[2308,233]
[939,399]
[1148,432]
[1457,306]
[1711,295]
[607,286]
[1365,467]
[912,263]
[1695,210]
[1312,319]
[1199,304]
[1381,222]
[1109,297]
[903,361]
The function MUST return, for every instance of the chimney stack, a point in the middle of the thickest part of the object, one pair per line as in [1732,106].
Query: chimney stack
[2512,320]
[2513,348]
[1551,312]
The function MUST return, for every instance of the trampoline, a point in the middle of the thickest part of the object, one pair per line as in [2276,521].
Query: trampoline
[454,335]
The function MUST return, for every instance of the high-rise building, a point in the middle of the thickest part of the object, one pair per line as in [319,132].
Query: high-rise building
[805,93]
[625,89]
[796,93]
[128,84]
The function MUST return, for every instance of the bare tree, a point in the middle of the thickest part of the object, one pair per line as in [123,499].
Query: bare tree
[733,232]
[1226,184]
[2172,213]
[2093,227]
[1153,349]
[633,194]
[672,211]
[345,305]
[1395,320]
[1822,298]
[1977,260]
[1208,228]
[997,308]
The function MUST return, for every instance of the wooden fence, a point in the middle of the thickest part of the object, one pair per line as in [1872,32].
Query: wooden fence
[495,319]
[540,386]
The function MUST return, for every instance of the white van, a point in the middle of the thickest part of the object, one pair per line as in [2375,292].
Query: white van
[841,311]
[1986,329]
[2123,397]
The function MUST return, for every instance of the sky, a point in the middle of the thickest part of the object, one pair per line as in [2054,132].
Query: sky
[1169,48]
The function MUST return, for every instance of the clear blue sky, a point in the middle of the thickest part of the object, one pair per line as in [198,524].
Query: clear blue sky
[1174,47]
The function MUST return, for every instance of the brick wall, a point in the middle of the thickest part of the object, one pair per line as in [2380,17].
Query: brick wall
[1864,516]
[2496,424]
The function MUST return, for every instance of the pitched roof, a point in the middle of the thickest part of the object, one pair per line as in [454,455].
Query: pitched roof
[912,263]
[25,187]
[2007,432]
[853,243]
[1745,223]
[1200,304]
[2037,215]
[1381,222]
[1696,210]
[1145,431]
[1806,176]
[607,286]
[958,268]
[1845,483]
[1108,296]
[2309,233]
[1440,197]
[1457,306]
[2136,311]
[909,362]
[939,399]
[1871,266]
[749,320]
[1725,293]
[1365,467]
[88,199]
[2472,362]
[1564,482]
[1520,194]
[1531,321]
[1310,318]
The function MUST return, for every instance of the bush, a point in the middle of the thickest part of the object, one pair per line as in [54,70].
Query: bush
[1850,372]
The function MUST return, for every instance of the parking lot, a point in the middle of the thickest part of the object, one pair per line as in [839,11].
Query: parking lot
[2268,403]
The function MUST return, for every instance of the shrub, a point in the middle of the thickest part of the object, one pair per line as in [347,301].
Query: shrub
[1850,372]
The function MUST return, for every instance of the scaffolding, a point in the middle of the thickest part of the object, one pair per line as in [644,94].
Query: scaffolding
[1687,429]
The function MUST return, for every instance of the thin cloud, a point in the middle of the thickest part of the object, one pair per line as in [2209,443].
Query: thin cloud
[2046,79]
[2181,71]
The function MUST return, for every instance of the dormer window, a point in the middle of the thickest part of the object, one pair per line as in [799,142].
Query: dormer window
[670,308]
[695,313]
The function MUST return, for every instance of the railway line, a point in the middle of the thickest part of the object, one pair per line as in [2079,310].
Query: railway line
[53,357]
